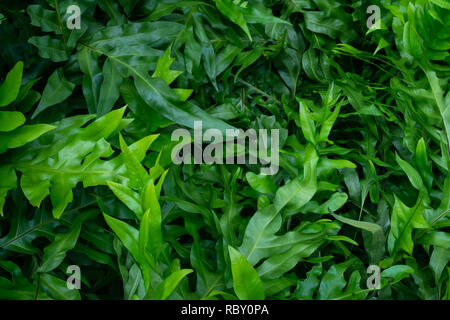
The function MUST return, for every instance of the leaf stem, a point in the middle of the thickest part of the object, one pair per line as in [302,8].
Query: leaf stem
[257,89]
[61,26]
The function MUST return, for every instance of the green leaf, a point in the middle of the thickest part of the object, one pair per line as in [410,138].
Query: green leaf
[137,173]
[412,40]
[261,14]
[43,18]
[403,221]
[413,176]
[333,285]
[261,183]
[163,68]
[79,160]
[300,190]
[10,120]
[55,252]
[57,90]
[234,13]
[442,4]
[134,282]
[22,135]
[246,282]
[128,235]
[443,107]
[158,95]
[287,250]
[132,34]
[308,127]
[151,235]
[57,288]
[371,227]
[92,77]
[109,90]
[263,225]
[169,284]
[9,89]
[18,287]
[438,261]
[50,48]
[309,285]
[395,274]
[333,23]
[127,196]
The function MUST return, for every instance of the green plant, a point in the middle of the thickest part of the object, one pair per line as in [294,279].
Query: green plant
[364,129]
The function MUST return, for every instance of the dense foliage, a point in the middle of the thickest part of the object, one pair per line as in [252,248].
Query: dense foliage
[86,176]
